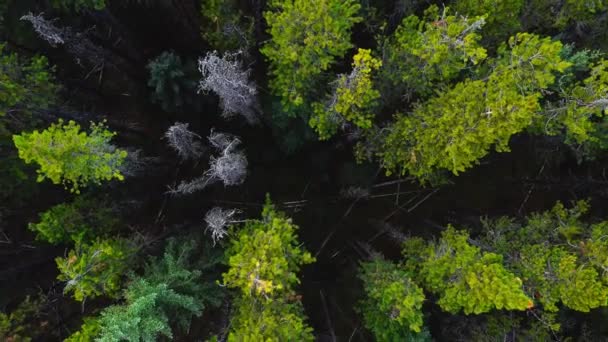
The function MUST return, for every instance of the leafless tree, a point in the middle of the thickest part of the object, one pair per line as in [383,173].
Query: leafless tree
[229,167]
[226,77]
[184,141]
[77,44]
[218,220]
[45,29]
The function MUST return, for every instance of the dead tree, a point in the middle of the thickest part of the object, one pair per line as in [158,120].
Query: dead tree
[226,77]
[184,141]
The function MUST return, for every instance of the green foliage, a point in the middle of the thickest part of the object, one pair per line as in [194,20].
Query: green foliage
[170,292]
[95,269]
[264,256]
[67,155]
[88,331]
[269,321]
[306,37]
[16,326]
[79,5]
[353,100]
[173,82]
[583,104]
[502,16]
[224,26]
[458,127]
[465,278]
[559,258]
[392,308]
[79,221]
[431,50]
[25,87]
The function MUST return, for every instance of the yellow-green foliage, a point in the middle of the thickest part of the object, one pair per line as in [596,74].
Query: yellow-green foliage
[464,277]
[25,87]
[70,157]
[265,256]
[502,16]
[431,50]
[560,258]
[392,308]
[458,127]
[89,330]
[306,37]
[353,100]
[95,269]
[581,104]
[269,321]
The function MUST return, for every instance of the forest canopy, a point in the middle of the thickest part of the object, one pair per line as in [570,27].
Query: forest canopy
[298,170]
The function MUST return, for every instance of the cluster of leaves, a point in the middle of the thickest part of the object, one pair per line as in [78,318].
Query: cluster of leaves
[306,39]
[263,259]
[392,308]
[79,221]
[67,155]
[424,52]
[353,98]
[96,268]
[464,277]
[458,127]
[560,258]
[501,17]
[580,113]
[169,293]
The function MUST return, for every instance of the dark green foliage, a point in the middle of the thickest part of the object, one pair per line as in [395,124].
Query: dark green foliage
[169,293]
[173,82]
[79,221]
[224,26]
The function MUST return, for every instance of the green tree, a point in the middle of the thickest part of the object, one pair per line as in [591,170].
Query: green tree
[579,115]
[276,320]
[392,308]
[170,292]
[560,258]
[458,127]
[95,269]
[464,277]
[67,155]
[424,52]
[306,38]
[265,256]
[353,100]
[173,82]
[79,221]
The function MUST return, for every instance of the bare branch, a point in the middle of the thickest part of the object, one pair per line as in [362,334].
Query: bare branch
[184,141]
